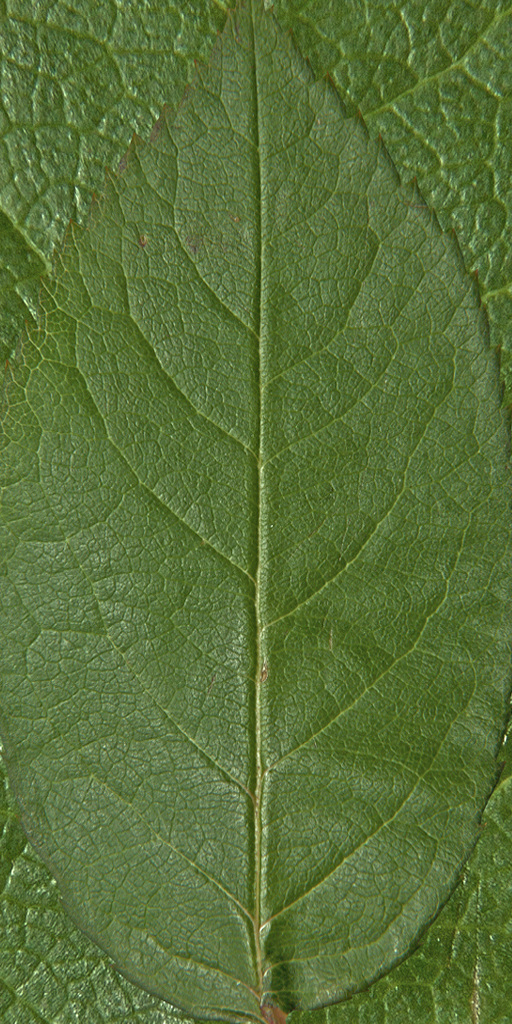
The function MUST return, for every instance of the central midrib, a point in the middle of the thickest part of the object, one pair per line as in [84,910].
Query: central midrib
[261,666]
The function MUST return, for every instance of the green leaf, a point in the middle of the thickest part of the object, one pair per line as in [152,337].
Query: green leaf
[436,81]
[49,971]
[255,487]
[77,80]
[20,273]
[462,970]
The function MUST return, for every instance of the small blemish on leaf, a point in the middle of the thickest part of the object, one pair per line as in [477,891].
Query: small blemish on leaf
[143,241]
[264,672]
[157,128]
[194,243]
[330,640]
[273,1014]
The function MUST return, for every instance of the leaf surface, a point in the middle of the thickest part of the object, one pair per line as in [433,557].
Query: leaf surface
[77,80]
[462,970]
[50,973]
[435,79]
[255,670]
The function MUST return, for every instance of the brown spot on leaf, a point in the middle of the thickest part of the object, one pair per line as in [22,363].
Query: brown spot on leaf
[143,241]
[273,1014]
[264,672]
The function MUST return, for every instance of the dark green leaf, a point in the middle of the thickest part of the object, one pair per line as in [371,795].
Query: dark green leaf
[255,662]
[50,973]
[77,80]
[436,80]
[20,273]
[462,971]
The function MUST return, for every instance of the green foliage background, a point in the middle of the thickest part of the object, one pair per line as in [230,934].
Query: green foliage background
[435,79]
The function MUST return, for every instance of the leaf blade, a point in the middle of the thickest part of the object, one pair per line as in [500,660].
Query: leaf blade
[155,504]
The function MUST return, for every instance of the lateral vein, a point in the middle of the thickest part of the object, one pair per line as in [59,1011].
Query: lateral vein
[165,842]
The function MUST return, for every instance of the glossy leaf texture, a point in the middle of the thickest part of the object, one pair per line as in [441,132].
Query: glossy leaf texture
[255,514]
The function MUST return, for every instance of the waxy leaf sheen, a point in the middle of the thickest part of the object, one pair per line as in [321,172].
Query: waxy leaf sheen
[255,651]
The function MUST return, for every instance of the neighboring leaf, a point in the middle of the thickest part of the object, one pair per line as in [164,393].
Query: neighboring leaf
[255,668]
[77,80]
